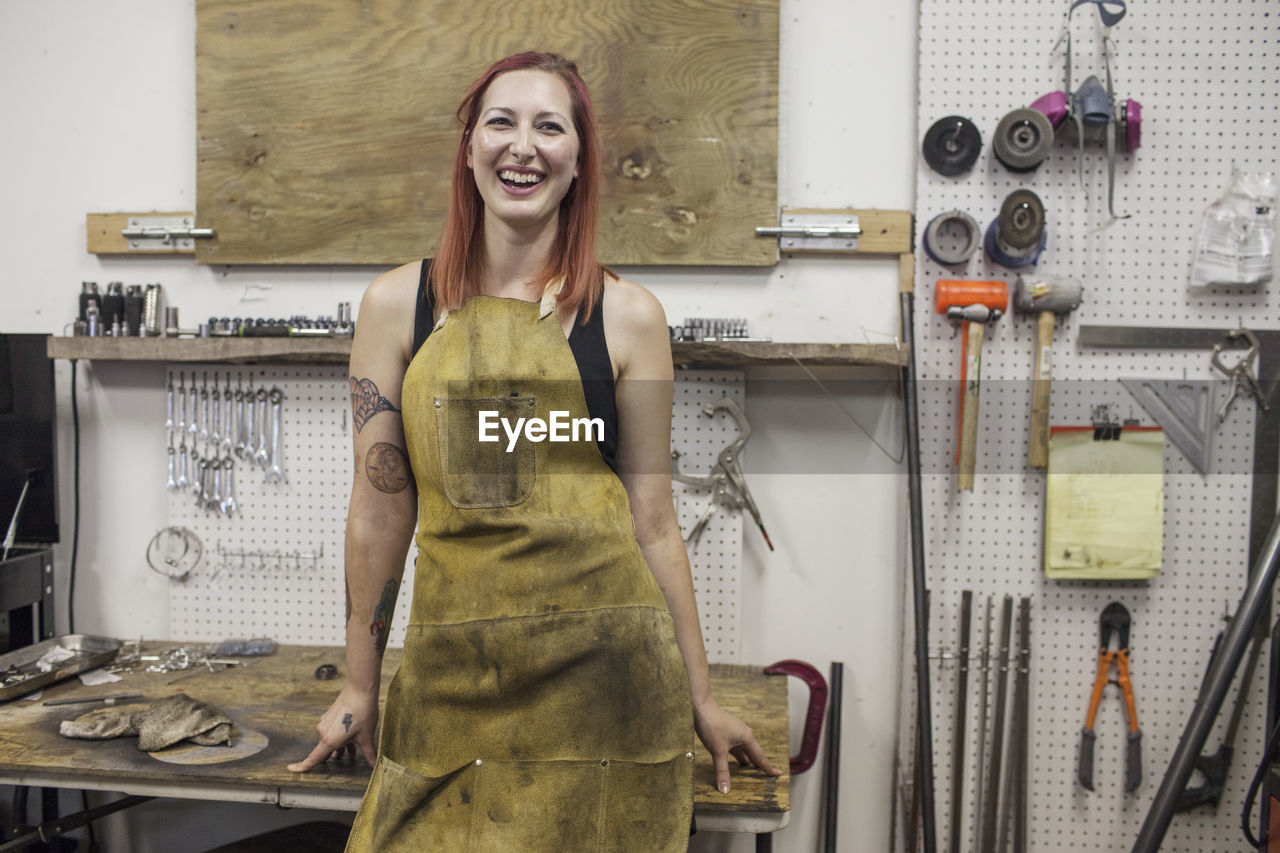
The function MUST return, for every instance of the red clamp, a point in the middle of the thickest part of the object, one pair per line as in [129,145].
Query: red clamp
[813,716]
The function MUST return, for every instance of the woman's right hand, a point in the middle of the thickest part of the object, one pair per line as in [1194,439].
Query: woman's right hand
[349,723]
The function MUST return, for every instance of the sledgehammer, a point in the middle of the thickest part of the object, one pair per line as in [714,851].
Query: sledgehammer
[1045,295]
[973,304]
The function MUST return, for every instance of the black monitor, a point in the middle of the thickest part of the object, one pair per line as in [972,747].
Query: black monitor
[28,439]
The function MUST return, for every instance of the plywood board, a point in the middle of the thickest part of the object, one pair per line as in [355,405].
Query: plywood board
[326,131]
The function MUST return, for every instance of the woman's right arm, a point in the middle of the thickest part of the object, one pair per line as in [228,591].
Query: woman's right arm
[382,512]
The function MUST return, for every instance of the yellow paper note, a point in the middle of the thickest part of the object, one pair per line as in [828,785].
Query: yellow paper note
[1104,505]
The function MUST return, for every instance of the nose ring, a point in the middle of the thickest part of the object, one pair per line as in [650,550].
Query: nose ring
[524,161]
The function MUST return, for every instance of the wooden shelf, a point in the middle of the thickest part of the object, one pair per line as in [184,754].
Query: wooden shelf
[756,353]
[321,350]
[318,350]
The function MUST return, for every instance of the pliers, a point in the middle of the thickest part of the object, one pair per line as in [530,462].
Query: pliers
[1115,620]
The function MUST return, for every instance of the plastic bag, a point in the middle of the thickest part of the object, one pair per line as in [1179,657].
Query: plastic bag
[1237,234]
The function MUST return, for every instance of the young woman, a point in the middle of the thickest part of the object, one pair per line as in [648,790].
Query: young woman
[553,672]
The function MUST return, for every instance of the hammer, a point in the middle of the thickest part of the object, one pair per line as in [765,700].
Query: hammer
[1045,295]
[973,304]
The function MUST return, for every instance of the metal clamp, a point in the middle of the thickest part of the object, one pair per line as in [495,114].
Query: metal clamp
[163,233]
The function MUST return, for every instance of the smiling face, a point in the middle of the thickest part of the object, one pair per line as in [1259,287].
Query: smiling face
[523,150]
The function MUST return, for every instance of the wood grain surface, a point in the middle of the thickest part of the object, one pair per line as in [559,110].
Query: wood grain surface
[325,132]
[279,697]
[686,354]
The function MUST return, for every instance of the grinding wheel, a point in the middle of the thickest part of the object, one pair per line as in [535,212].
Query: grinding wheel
[1022,139]
[951,146]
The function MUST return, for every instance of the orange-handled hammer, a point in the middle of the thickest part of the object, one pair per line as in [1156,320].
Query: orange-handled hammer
[973,304]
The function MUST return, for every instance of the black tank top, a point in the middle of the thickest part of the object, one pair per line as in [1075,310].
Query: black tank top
[590,351]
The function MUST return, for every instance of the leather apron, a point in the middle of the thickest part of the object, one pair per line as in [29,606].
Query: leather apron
[542,703]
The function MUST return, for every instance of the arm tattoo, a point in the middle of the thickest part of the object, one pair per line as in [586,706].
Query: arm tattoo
[367,401]
[346,722]
[387,467]
[346,587]
[380,629]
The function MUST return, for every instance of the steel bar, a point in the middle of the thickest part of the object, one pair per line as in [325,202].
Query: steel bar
[1252,606]
[831,783]
[991,802]
[980,787]
[924,717]
[1022,715]
[957,737]
[52,829]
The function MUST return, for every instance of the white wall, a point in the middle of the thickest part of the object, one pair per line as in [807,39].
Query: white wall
[98,104]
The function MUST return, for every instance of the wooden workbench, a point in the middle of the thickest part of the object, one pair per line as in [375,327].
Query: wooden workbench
[278,698]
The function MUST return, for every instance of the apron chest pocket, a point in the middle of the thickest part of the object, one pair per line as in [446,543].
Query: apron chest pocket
[484,473]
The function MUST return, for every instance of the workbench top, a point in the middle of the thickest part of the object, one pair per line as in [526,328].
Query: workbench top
[278,698]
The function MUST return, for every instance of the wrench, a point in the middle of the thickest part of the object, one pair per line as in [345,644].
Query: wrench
[215,434]
[226,407]
[203,434]
[168,405]
[182,403]
[172,483]
[181,482]
[260,456]
[200,484]
[229,500]
[240,430]
[192,428]
[215,500]
[251,423]
[275,473]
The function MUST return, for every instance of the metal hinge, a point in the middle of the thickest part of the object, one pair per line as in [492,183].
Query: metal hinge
[163,233]
[814,232]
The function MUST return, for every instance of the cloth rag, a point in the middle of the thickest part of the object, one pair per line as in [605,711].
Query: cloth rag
[161,724]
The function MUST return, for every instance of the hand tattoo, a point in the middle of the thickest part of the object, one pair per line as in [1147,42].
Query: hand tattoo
[366,401]
[387,467]
[346,722]
[380,629]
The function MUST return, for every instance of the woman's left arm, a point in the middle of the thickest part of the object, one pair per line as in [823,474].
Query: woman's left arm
[641,350]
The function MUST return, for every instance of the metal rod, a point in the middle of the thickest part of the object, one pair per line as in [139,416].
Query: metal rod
[831,783]
[991,801]
[1022,712]
[52,829]
[962,695]
[980,788]
[924,718]
[1251,607]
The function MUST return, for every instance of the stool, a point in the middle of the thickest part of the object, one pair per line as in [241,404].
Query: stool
[318,836]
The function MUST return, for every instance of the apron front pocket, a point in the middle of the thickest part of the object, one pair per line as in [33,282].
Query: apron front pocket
[404,810]
[480,465]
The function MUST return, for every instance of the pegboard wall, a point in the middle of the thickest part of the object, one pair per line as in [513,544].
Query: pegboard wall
[274,568]
[1208,80]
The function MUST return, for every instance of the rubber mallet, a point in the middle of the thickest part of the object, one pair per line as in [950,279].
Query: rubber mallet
[1046,296]
[973,304]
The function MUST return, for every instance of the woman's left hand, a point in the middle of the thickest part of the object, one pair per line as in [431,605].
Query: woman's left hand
[723,734]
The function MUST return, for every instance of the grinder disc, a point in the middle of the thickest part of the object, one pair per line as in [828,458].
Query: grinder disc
[1021,222]
[951,146]
[1022,139]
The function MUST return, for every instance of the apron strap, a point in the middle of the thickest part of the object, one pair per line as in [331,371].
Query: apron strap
[546,307]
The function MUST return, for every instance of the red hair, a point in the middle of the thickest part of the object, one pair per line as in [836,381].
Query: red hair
[456,267]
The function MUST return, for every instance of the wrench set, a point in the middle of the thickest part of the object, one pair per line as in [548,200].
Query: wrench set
[211,427]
